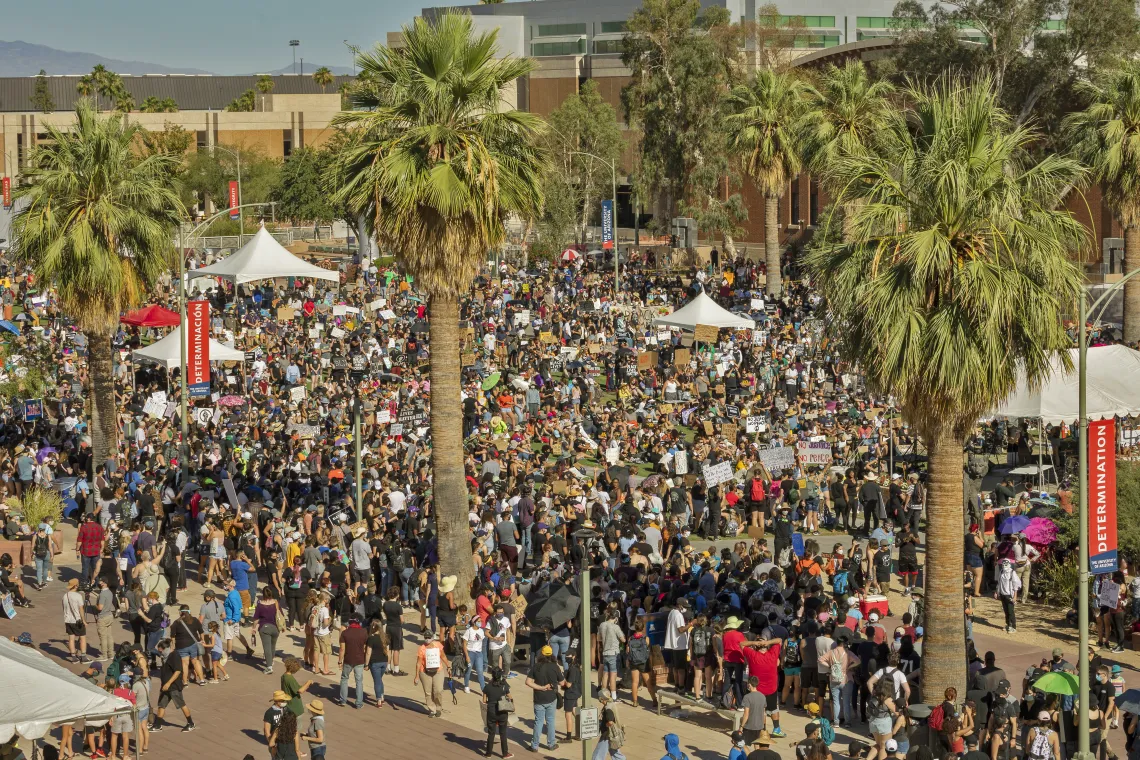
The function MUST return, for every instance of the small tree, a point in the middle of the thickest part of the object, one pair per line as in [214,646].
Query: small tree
[265,86]
[151,104]
[323,77]
[245,102]
[41,98]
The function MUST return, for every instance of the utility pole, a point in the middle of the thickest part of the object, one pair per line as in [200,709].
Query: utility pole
[184,449]
[293,44]
[356,446]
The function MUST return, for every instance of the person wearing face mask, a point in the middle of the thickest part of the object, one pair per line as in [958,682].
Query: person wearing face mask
[1008,584]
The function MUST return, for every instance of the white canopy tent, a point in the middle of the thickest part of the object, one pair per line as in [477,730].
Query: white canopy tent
[702,310]
[1113,389]
[168,353]
[38,693]
[262,258]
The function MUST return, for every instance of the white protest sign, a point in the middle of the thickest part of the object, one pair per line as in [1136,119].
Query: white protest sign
[376,305]
[612,454]
[297,392]
[814,453]
[715,474]
[383,417]
[754,425]
[681,462]
[203,415]
[388,314]
[777,460]
[352,309]
[336,332]
[153,407]
[340,310]
[396,429]
[757,304]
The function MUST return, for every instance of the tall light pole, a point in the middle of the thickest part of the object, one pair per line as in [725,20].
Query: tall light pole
[294,44]
[352,49]
[241,209]
[1083,499]
[613,180]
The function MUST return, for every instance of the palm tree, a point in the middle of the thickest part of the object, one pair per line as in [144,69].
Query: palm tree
[848,114]
[264,86]
[323,77]
[440,163]
[124,101]
[955,279]
[765,119]
[97,222]
[1106,136]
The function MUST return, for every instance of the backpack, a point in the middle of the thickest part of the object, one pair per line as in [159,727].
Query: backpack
[936,719]
[1041,747]
[495,627]
[41,547]
[639,650]
[839,582]
[399,563]
[701,638]
[826,731]
[676,500]
[836,671]
[803,580]
[617,730]
[170,557]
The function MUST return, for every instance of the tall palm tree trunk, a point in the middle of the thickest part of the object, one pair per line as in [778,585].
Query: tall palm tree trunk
[772,242]
[104,423]
[449,487]
[944,654]
[1132,287]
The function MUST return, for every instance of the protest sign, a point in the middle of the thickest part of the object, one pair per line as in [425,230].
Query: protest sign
[818,453]
[705,333]
[777,460]
[715,474]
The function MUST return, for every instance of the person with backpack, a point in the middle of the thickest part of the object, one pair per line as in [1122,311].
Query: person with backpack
[840,663]
[42,553]
[612,734]
[673,748]
[637,655]
[702,656]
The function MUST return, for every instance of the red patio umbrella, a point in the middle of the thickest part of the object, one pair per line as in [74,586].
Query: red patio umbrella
[151,316]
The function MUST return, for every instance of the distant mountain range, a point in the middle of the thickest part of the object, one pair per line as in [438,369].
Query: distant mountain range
[310,68]
[24,59]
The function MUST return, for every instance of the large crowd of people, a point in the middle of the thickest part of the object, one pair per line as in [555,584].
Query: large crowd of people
[591,439]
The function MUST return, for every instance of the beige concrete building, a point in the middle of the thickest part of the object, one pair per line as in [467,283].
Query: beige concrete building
[297,112]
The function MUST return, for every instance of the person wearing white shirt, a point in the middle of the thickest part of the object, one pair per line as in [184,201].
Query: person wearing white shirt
[397,499]
[677,643]
[473,639]
[498,628]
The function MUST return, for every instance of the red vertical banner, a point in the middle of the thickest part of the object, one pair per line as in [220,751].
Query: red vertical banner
[234,200]
[1103,554]
[198,348]
[6,190]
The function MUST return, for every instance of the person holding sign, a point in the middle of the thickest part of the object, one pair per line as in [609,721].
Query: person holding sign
[431,664]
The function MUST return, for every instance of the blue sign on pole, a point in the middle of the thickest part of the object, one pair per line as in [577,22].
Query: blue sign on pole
[607,224]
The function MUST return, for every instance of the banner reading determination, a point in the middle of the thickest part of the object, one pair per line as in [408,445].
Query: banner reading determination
[1102,496]
[198,348]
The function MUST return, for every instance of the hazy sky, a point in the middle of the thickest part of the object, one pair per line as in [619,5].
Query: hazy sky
[222,36]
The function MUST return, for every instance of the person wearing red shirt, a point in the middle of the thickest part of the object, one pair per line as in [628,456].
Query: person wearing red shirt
[483,603]
[88,547]
[763,658]
[733,659]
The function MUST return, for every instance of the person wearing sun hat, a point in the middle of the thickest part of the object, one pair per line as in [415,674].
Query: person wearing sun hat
[315,735]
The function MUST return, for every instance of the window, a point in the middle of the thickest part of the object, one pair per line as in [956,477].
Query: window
[602,47]
[560,30]
[613,27]
[813,203]
[286,142]
[574,47]
[884,22]
[816,41]
[200,139]
[811,22]
[794,197]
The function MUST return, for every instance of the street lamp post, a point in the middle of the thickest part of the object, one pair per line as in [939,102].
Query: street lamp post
[241,209]
[613,180]
[1083,501]
[294,44]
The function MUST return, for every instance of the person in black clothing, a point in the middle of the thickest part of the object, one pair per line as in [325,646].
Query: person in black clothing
[493,695]
[870,494]
[393,612]
[170,687]
[839,501]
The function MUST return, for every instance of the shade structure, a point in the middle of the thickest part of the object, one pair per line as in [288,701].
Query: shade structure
[151,316]
[38,693]
[702,310]
[263,258]
[1112,389]
[168,353]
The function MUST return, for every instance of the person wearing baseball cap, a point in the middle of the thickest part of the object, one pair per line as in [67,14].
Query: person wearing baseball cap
[892,748]
[739,747]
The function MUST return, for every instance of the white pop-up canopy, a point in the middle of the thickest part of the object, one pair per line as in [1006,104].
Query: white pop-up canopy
[263,258]
[1112,390]
[38,693]
[168,353]
[702,310]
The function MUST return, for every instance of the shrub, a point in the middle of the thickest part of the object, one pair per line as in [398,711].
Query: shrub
[39,505]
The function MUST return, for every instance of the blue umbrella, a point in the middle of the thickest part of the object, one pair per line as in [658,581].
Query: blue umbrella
[9,327]
[1014,524]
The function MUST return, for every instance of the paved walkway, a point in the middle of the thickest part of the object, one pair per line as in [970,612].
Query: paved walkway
[229,714]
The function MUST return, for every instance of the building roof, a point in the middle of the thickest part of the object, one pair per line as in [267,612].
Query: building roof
[190,91]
